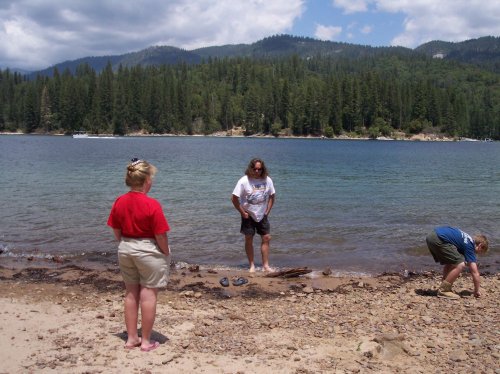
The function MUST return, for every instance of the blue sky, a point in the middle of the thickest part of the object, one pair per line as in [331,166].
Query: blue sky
[324,20]
[35,34]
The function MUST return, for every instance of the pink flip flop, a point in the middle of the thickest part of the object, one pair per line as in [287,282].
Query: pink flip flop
[152,346]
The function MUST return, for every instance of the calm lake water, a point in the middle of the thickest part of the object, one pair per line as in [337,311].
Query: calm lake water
[356,206]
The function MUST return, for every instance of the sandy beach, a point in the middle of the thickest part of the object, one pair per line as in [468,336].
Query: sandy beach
[70,320]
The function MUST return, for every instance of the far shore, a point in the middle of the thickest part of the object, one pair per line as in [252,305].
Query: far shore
[239,133]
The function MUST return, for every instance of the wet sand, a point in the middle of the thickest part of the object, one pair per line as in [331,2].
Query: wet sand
[70,319]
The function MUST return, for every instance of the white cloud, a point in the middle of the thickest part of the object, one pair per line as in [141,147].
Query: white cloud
[450,20]
[352,6]
[35,34]
[327,32]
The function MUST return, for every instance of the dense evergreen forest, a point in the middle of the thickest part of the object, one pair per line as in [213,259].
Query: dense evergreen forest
[318,96]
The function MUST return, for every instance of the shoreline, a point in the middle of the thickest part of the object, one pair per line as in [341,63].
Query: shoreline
[239,134]
[108,261]
[71,320]
[57,261]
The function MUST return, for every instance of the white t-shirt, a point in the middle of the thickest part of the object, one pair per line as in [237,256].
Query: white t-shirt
[254,195]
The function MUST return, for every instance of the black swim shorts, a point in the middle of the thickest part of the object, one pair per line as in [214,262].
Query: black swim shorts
[249,226]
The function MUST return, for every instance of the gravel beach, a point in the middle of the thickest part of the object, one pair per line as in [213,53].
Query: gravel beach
[70,319]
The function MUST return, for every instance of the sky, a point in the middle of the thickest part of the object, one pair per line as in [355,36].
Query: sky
[36,34]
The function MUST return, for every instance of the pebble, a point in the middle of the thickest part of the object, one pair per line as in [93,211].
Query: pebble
[458,355]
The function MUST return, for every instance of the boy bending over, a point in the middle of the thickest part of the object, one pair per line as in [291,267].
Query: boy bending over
[450,246]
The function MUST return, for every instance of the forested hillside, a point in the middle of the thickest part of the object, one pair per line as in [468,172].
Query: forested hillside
[277,46]
[483,52]
[316,95]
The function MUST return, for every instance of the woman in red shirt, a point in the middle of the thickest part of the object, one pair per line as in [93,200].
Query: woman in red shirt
[141,228]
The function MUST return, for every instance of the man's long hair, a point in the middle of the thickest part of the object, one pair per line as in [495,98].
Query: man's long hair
[250,173]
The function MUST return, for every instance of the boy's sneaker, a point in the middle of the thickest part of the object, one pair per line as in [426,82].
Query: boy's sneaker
[448,294]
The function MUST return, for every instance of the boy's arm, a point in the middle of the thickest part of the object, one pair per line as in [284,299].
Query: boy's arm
[476,278]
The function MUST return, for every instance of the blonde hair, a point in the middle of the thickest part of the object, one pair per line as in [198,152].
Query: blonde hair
[138,172]
[480,239]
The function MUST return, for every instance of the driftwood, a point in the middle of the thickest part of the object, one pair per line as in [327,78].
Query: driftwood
[290,273]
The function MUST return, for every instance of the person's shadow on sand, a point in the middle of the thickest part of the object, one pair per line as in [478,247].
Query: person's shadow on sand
[433,293]
[428,292]
[160,338]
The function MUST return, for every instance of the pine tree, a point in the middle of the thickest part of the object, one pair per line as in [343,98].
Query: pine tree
[45,111]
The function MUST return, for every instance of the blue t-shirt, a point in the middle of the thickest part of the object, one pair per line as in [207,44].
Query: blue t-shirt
[461,240]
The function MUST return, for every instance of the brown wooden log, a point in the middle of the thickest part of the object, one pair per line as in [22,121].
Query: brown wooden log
[289,273]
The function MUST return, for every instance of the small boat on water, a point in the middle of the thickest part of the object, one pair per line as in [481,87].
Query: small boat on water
[84,135]
[80,135]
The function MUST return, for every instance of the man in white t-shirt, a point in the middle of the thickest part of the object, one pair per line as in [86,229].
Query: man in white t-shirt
[253,197]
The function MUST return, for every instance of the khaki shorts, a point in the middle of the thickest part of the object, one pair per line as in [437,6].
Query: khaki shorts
[142,262]
[444,253]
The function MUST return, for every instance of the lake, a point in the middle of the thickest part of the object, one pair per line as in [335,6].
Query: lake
[356,206]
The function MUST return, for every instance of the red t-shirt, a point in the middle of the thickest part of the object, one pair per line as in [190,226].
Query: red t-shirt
[138,216]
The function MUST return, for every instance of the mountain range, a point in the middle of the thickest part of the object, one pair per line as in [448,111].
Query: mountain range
[484,52]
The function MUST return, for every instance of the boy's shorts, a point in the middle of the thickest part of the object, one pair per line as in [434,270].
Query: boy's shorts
[444,253]
[142,262]
[249,226]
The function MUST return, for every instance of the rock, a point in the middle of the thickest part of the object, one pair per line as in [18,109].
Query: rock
[388,337]
[236,316]
[194,268]
[168,359]
[327,271]
[458,355]
[180,265]
[307,290]
[58,259]
[476,342]
[392,345]
[427,319]
[369,348]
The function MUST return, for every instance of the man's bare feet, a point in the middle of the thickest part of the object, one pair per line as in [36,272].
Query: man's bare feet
[251,269]
[268,269]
